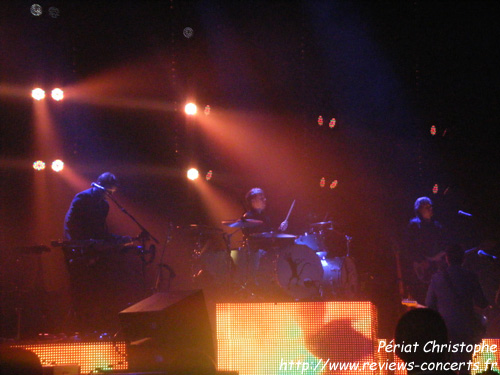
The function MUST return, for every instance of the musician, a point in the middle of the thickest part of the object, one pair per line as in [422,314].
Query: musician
[86,217]
[257,202]
[454,292]
[256,257]
[96,267]
[424,249]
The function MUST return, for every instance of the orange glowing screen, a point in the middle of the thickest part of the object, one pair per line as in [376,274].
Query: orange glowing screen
[89,355]
[300,337]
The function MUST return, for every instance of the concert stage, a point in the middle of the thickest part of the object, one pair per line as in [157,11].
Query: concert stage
[267,338]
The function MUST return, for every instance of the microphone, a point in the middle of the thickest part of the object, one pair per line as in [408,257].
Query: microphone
[463,213]
[97,186]
[485,254]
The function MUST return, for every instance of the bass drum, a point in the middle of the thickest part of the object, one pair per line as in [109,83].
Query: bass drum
[299,272]
[340,279]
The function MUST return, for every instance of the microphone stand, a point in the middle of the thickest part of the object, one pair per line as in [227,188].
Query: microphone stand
[145,235]
[161,265]
[144,230]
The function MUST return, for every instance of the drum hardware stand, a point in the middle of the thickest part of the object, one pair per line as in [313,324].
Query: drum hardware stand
[227,239]
[161,265]
[348,244]
[246,287]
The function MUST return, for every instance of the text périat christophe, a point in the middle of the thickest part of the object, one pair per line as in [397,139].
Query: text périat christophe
[433,347]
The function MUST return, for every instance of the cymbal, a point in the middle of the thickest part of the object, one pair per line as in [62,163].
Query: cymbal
[242,223]
[272,235]
[321,223]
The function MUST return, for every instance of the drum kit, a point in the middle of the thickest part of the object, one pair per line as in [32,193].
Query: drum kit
[313,266]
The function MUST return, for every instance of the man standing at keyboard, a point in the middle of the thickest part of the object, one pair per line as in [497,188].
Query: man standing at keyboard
[96,260]
[86,217]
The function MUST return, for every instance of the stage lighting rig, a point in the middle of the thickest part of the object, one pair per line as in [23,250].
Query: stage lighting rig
[57,94]
[36,10]
[191,109]
[193,174]
[38,165]
[57,165]
[38,94]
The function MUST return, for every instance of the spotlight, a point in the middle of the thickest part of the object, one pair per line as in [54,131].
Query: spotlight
[433,130]
[191,109]
[193,174]
[435,189]
[36,10]
[207,110]
[57,94]
[320,120]
[57,165]
[208,177]
[38,94]
[332,123]
[334,184]
[38,165]
[322,182]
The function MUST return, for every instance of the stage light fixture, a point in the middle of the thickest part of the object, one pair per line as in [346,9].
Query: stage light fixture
[207,110]
[209,175]
[193,174]
[435,189]
[36,10]
[191,109]
[54,12]
[322,182]
[433,130]
[57,165]
[188,32]
[57,94]
[334,184]
[332,123]
[38,94]
[38,165]
[320,120]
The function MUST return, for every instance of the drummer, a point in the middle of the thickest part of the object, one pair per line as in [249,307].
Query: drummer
[256,202]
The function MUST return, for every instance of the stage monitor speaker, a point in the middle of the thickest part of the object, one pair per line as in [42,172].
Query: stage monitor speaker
[165,326]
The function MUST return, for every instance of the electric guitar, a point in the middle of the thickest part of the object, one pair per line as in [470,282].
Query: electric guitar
[428,267]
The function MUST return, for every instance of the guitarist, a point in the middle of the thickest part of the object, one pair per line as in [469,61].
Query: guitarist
[454,292]
[423,253]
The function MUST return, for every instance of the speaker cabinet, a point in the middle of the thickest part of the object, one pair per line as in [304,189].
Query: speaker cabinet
[165,327]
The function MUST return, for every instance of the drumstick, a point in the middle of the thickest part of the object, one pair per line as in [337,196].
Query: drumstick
[290,210]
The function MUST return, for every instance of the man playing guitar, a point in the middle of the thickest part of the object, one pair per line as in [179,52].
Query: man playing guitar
[423,254]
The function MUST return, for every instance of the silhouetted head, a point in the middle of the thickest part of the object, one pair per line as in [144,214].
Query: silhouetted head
[421,326]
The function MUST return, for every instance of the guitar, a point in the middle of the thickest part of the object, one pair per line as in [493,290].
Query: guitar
[428,267]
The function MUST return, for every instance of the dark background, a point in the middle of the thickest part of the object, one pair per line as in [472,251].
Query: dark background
[386,71]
